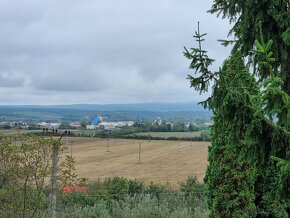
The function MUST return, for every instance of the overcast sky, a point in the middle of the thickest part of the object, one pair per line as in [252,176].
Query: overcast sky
[102,51]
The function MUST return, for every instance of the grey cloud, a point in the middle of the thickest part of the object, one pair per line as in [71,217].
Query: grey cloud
[103,50]
[12,79]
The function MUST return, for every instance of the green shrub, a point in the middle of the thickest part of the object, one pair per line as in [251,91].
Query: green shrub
[135,187]
[155,190]
[117,187]
[193,193]
[138,206]
[192,187]
[76,198]
[98,210]
[121,198]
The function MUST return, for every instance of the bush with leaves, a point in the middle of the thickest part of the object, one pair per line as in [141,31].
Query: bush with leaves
[137,200]
[25,169]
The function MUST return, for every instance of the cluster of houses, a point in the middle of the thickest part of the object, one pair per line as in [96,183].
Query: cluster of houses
[97,123]
[17,124]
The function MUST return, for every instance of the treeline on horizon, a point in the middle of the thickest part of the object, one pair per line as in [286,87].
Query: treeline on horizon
[59,115]
[131,132]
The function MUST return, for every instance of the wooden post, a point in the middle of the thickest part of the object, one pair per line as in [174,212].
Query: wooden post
[53,181]
[68,142]
[108,142]
[53,178]
[71,148]
[108,145]
[140,152]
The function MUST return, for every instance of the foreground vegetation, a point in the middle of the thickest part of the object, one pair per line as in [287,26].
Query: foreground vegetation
[26,187]
[119,197]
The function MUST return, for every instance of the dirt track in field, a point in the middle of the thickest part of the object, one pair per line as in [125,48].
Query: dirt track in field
[161,161]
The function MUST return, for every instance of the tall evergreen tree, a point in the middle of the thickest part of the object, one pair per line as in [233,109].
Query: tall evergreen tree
[246,144]
[268,21]
[231,174]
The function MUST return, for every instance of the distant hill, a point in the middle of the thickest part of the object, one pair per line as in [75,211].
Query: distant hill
[112,112]
[122,107]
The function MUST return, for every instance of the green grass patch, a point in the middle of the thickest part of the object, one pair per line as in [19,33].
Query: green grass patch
[166,135]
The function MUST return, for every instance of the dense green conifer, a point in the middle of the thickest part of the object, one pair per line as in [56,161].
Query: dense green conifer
[249,159]
[231,174]
[249,18]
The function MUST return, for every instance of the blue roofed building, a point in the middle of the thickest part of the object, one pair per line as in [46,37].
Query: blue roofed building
[96,121]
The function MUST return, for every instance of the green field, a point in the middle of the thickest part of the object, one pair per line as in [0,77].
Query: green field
[170,134]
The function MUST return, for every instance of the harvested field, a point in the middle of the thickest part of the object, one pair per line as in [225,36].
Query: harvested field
[161,161]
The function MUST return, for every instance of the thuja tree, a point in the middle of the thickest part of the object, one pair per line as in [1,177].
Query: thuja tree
[242,179]
[231,174]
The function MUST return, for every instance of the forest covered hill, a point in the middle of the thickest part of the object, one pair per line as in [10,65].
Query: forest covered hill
[112,112]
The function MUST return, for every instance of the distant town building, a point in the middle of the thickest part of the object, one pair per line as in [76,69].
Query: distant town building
[48,125]
[91,127]
[113,125]
[75,125]
[107,125]
[110,125]
[96,121]
[17,124]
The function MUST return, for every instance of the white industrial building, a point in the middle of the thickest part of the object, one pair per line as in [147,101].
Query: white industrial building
[110,125]
[48,125]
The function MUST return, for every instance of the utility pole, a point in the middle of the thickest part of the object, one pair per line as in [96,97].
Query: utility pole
[108,145]
[53,180]
[71,148]
[53,177]
[67,143]
[108,142]
[140,152]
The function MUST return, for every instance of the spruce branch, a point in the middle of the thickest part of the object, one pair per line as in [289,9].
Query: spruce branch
[200,62]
